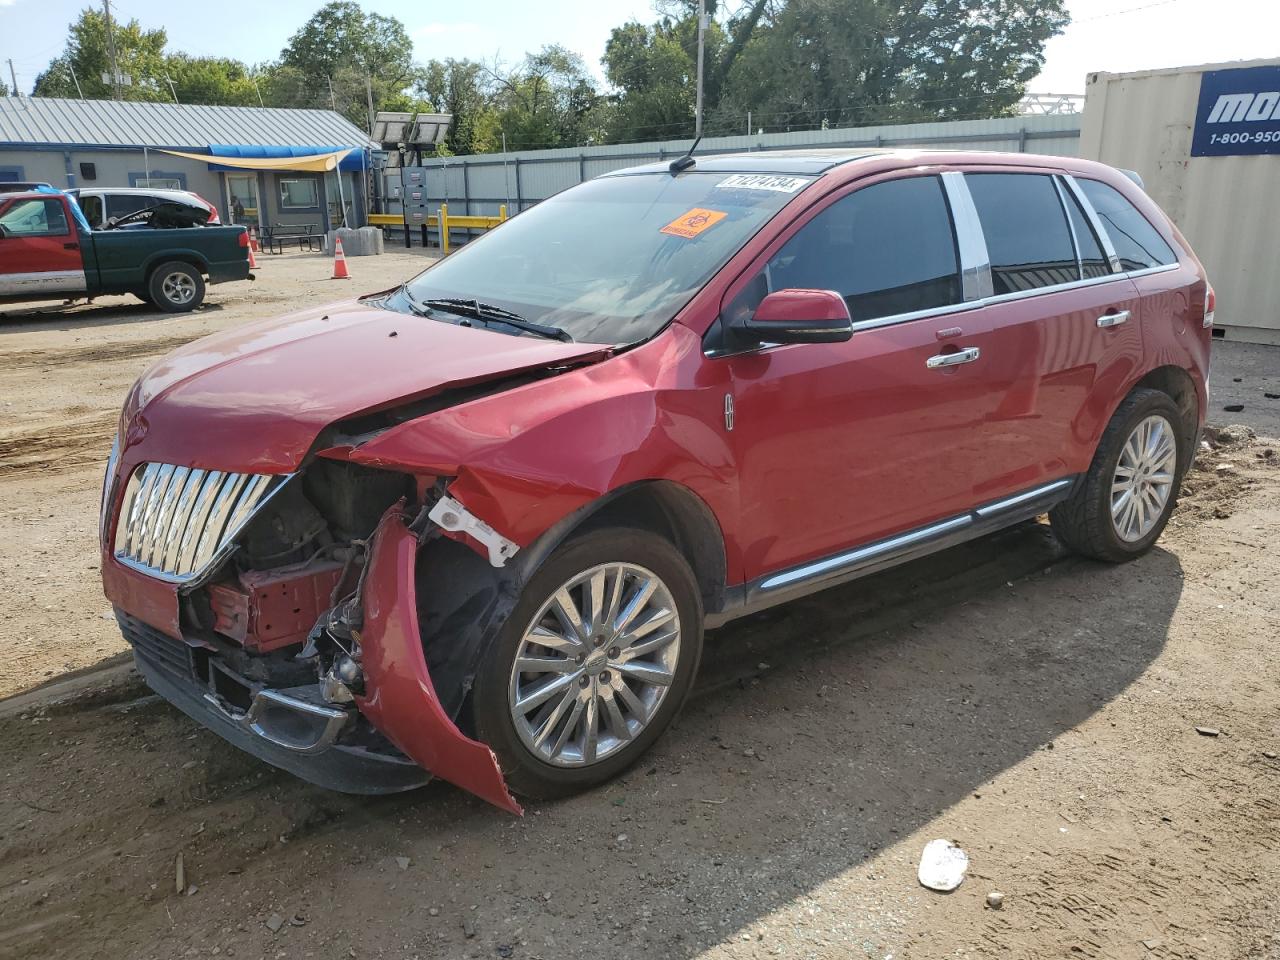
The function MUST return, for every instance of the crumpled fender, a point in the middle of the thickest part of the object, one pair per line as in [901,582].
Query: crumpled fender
[525,459]
[400,699]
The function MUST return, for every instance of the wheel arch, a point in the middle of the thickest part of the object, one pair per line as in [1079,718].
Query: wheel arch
[1178,385]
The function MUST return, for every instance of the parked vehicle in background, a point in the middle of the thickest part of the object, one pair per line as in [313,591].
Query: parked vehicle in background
[103,204]
[475,526]
[46,254]
[21,186]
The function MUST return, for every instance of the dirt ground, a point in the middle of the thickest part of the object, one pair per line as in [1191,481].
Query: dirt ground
[1037,709]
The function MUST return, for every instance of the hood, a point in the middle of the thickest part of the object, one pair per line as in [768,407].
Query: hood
[255,398]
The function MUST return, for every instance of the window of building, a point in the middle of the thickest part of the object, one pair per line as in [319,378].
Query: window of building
[1137,243]
[301,193]
[1026,230]
[1093,260]
[35,218]
[887,249]
[158,183]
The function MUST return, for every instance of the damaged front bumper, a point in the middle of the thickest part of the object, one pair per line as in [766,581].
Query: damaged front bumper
[277,726]
[333,745]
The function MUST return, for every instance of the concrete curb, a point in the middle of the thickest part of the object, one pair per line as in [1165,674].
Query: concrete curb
[113,681]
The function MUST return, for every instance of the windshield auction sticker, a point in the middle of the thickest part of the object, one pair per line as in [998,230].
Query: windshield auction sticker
[689,225]
[762,181]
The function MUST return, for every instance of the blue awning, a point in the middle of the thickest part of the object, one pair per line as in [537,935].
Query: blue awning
[355,160]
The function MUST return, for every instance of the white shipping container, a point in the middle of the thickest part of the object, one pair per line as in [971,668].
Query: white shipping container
[1228,207]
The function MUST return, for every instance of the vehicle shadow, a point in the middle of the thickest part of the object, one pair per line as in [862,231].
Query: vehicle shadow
[818,733]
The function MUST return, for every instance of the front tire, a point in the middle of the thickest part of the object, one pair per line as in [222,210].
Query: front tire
[1125,500]
[176,287]
[593,663]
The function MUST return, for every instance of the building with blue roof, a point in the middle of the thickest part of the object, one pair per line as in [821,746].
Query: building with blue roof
[258,166]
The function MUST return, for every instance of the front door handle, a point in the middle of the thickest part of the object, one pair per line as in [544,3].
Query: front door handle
[1113,319]
[965,355]
[71,246]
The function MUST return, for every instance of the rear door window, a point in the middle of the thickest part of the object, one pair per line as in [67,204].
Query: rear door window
[1093,260]
[1137,242]
[1026,230]
[887,249]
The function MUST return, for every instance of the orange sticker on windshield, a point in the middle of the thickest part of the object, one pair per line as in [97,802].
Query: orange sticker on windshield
[689,225]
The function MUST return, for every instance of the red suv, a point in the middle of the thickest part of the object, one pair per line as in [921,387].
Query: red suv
[475,526]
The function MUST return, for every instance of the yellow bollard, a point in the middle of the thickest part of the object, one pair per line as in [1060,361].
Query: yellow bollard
[444,229]
[502,213]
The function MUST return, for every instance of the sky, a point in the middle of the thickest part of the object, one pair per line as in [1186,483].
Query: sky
[1112,35]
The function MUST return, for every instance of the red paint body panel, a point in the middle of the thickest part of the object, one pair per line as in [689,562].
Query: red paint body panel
[262,393]
[56,252]
[400,700]
[152,601]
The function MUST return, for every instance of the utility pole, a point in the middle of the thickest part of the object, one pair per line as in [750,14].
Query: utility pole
[254,81]
[111,51]
[368,89]
[172,90]
[14,77]
[75,80]
[702,30]
[333,104]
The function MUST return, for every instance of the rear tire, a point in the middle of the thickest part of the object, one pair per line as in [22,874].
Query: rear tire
[615,690]
[1124,501]
[176,287]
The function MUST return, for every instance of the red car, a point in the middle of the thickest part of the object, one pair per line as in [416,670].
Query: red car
[475,526]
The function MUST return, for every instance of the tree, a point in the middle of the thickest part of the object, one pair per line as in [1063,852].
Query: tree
[550,100]
[216,80]
[4,89]
[139,55]
[846,62]
[464,89]
[343,45]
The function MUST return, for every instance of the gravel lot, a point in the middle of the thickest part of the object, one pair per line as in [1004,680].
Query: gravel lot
[1037,709]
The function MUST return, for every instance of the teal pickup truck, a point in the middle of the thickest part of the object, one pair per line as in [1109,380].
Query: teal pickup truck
[48,252]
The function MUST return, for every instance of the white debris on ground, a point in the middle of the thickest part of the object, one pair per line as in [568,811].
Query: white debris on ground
[942,865]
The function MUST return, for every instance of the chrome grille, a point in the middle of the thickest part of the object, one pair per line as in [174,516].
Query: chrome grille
[176,522]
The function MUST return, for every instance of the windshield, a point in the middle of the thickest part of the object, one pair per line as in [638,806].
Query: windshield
[613,260]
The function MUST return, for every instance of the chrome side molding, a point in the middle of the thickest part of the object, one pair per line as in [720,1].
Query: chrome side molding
[907,543]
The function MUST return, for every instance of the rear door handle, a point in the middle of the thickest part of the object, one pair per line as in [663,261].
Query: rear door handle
[965,355]
[1113,319]
[71,246]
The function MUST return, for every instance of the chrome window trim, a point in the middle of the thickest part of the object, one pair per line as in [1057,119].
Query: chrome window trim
[1095,221]
[1071,225]
[971,242]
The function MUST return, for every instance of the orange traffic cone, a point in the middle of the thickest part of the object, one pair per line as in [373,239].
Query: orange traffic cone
[253,261]
[339,261]
[253,240]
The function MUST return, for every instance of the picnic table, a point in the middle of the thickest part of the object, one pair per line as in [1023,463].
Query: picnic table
[277,235]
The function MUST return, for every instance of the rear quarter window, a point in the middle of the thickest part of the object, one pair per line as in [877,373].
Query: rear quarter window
[1137,243]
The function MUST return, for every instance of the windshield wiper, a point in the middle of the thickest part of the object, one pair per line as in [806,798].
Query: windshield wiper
[487,311]
[417,306]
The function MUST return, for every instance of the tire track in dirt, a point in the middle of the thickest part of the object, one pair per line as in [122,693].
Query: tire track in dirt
[56,447]
[97,353]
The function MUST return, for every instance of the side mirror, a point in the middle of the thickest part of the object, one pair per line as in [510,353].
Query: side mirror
[801,316]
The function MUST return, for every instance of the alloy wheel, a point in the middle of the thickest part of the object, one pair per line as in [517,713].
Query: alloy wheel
[178,287]
[594,664]
[1143,479]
